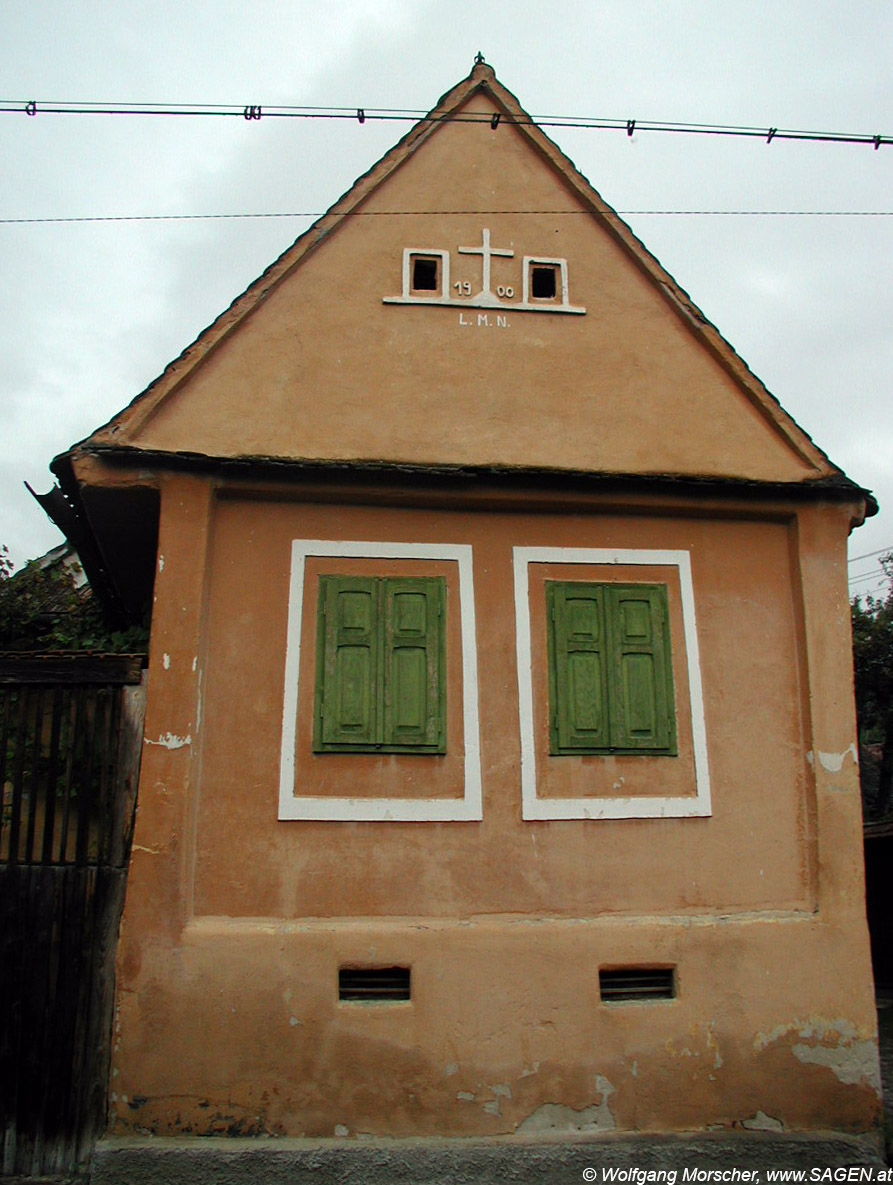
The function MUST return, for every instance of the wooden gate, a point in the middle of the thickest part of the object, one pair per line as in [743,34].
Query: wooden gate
[70,740]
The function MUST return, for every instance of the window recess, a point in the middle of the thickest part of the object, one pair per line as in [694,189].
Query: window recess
[543,281]
[610,669]
[380,665]
[425,276]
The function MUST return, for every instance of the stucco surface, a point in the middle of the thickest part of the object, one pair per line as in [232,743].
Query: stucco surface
[236,923]
[247,863]
[323,369]
[237,920]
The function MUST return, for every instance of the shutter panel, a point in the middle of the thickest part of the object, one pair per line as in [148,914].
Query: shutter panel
[347,662]
[640,676]
[414,691]
[578,689]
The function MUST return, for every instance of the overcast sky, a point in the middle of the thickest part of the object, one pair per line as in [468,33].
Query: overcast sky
[91,312]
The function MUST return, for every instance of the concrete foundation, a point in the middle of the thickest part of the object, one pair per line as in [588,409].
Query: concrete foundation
[696,1158]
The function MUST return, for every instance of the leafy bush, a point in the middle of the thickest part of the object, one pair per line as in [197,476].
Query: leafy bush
[873,666]
[41,608]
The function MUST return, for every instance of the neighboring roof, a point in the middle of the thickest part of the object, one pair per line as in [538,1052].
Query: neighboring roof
[128,433]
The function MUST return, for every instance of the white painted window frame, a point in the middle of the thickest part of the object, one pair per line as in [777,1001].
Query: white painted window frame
[630,807]
[529,263]
[404,810]
[443,256]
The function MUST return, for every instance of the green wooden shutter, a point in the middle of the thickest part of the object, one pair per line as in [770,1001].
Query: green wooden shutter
[640,673]
[380,665]
[347,662]
[578,690]
[414,682]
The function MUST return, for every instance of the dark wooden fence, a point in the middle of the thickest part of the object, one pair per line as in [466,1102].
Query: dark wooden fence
[70,741]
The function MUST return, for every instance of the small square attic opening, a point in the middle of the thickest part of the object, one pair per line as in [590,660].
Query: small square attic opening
[543,281]
[424,273]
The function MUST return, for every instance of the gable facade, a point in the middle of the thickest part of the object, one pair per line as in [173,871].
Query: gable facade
[499,769]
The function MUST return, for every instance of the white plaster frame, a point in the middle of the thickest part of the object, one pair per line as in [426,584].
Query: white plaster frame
[444,257]
[631,807]
[483,300]
[530,261]
[409,810]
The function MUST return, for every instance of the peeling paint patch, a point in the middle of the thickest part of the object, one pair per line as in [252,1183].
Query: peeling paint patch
[492,1108]
[816,1026]
[195,663]
[835,1044]
[851,1063]
[161,563]
[169,741]
[762,1122]
[341,1130]
[166,661]
[711,1040]
[832,763]
[450,1069]
[555,1117]
[465,1096]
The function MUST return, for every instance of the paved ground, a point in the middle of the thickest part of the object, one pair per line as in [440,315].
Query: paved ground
[737,1156]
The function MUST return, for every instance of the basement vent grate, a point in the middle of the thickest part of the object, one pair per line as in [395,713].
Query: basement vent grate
[618,984]
[373,983]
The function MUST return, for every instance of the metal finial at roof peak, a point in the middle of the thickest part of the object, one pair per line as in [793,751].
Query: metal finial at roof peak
[479,59]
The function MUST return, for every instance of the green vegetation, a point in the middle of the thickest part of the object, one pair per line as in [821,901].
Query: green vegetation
[873,664]
[41,608]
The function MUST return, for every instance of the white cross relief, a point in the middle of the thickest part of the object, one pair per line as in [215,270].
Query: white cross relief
[485,251]
[434,286]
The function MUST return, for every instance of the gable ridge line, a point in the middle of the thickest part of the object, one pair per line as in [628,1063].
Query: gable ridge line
[721,349]
[481,79]
[147,402]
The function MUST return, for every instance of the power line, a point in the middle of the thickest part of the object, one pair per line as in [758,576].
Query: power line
[878,593]
[877,574]
[869,554]
[255,112]
[422,213]
[877,588]
[867,576]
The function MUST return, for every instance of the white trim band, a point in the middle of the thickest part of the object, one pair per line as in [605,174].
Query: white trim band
[639,807]
[440,810]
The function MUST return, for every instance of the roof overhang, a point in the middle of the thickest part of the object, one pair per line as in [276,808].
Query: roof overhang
[113,524]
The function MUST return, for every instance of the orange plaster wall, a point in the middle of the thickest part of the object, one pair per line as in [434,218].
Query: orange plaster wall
[752,853]
[323,369]
[236,923]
